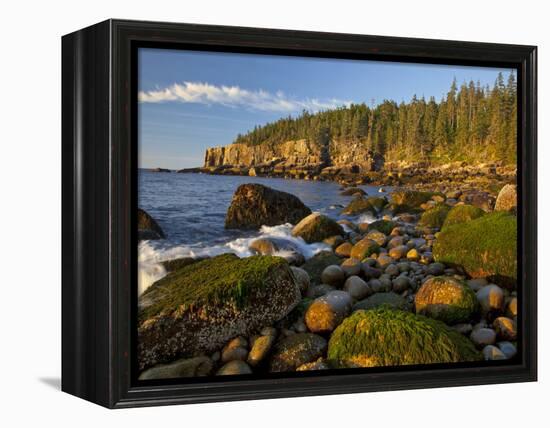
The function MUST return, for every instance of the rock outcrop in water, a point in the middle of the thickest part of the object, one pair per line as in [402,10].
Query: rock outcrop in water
[148,228]
[255,205]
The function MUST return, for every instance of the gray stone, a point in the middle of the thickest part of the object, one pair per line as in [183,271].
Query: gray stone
[491,299]
[236,367]
[483,336]
[508,349]
[328,311]
[357,288]
[333,275]
[351,266]
[491,352]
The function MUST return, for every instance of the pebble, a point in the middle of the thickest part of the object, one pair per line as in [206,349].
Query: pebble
[483,336]
[260,348]
[398,252]
[463,328]
[351,266]
[237,353]
[357,288]
[401,284]
[490,298]
[333,275]
[344,249]
[508,349]
[477,283]
[413,254]
[512,308]
[235,367]
[505,328]
[392,270]
[491,353]
[436,269]
[384,260]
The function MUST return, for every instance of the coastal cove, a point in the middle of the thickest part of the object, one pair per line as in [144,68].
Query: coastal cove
[191,209]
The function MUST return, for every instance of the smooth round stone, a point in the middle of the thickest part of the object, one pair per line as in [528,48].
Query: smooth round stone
[369,262]
[483,337]
[236,342]
[512,308]
[315,365]
[328,311]
[260,349]
[357,288]
[392,270]
[418,242]
[401,283]
[376,285]
[351,266]
[491,353]
[396,241]
[369,271]
[508,349]
[505,328]
[334,241]
[413,254]
[398,252]
[436,269]
[463,328]
[490,298]
[237,353]
[236,367]
[302,278]
[477,284]
[333,275]
[344,250]
[377,237]
[384,260]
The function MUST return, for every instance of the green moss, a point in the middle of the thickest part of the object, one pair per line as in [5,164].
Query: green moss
[359,206]
[387,337]
[377,202]
[434,217]
[484,247]
[412,198]
[462,214]
[175,264]
[317,264]
[391,299]
[364,248]
[220,279]
[446,299]
[384,226]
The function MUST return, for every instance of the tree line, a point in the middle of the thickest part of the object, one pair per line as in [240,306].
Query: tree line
[472,123]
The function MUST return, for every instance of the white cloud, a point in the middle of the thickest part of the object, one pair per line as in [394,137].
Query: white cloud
[235,96]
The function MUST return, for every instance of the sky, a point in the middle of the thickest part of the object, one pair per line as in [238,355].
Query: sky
[189,101]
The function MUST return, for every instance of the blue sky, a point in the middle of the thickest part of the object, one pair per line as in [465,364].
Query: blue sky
[189,101]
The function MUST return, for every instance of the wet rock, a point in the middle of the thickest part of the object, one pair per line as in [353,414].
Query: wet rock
[508,349]
[260,349]
[186,367]
[364,248]
[507,199]
[148,227]
[512,308]
[357,288]
[398,252]
[302,278]
[333,275]
[379,299]
[401,284]
[483,336]
[236,367]
[255,205]
[316,227]
[316,264]
[296,350]
[491,299]
[505,328]
[328,311]
[491,353]
[436,269]
[344,250]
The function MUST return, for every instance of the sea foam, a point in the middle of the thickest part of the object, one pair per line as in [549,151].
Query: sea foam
[151,254]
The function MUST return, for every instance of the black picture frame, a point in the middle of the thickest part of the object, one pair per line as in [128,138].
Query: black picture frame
[99,164]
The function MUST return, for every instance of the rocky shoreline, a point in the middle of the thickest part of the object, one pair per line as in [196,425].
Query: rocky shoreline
[432,280]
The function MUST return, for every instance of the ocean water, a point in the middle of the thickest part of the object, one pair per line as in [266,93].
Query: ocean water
[191,209]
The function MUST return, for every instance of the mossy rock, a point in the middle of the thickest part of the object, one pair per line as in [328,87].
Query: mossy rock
[350,191]
[317,264]
[145,222]
[364,248]
[317,227]
[388,337]
[293,351]
[391,299]
[384,226]
[446,299]
[175,264]
[412,198]
[359,206]
[434,217]
[462,214]
[196,309]
[484,247]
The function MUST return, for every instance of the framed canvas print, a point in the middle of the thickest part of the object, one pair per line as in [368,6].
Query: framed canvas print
[253,213]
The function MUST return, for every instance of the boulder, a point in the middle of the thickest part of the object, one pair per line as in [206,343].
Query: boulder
[316,227]
[384,226]
[434,217]
[271,246]
[148,227]
[407,339]
[296,350]
[186,367]
[363,205]
[328,311]
[484,247]
[198,308]
[462,214]
[507,199]
[446,299]
[377,236]
[255,205]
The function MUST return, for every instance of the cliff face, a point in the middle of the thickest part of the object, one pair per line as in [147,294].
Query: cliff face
[294,154]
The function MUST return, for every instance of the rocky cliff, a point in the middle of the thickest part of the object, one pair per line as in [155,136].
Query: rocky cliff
[297,154]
